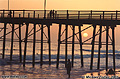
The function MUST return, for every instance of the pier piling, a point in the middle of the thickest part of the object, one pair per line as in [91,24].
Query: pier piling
[107,31]
[34,40]
[73,45]
[41,57]
[25,46]
[59,39]
[92,51]
[20,50]
[80,41]
[113,46]
[99,47]
[4,40]
[66,35]
[12,38]
[49,44]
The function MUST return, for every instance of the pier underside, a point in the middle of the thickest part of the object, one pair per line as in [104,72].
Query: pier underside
[75,22]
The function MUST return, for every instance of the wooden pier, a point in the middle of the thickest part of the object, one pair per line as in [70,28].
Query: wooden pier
[45,18]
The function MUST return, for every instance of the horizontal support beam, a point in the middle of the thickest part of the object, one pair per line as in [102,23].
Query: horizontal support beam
[83,43]
[44,41]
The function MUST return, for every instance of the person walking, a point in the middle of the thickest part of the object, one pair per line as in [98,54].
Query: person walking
[68,67]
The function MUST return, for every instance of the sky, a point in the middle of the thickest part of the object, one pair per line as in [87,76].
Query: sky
[63,5]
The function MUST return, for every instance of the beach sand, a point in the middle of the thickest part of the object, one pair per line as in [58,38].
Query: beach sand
[50,72]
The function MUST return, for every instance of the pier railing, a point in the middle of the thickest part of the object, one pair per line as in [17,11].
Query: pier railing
[60,14]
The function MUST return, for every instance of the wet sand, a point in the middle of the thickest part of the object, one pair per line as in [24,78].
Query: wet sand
[50,72]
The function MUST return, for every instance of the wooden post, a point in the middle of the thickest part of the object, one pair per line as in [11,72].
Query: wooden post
[38,16]
[41,61]
[44,14]
[23,13]
[25,48]
[113,45]
[92,51]
[50,14]
[67,15]
[4,40]
[20,50]
[59,39]
[3,13]
[28,15]
[73,45]
[116,14]
[53,14]
[91,15]
[13,13]
[80,40]
[66,35]
[98,65]
[49,44]
[103,15]
[107,31]
[12,38]
[111,16]
[34,15]
[34,40]
[78,14]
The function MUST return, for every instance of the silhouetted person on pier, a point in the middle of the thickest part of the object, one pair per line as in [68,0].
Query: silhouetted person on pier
[50,14]
[55,14]
[68,67]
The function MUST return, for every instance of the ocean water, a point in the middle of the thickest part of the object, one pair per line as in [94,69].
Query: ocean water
[50,72]
[77,56]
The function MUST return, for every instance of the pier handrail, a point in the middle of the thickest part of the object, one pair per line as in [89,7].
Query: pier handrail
[61,14]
